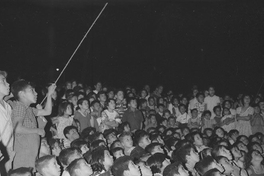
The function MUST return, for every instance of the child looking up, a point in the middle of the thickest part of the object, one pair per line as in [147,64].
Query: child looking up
[109,116]
[82,114]
[194,121]
[207,122]
[48,166]
[183,118]
[127,142]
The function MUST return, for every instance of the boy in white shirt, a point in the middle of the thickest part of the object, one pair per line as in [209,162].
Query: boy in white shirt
[183,118]
[211,100]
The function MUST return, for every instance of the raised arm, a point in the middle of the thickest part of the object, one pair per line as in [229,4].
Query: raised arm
[48,107]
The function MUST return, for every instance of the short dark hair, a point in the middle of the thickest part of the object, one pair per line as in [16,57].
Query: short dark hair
[62,107]
[20,171]
[42,162]
[206,112]
[19,85]
[211,172]
[67,129]
[216,107]
[73,166]
[78,143]
[139,136]
[203,165]
[172,169]
[121,165]
[151,146]
[155,162]
[65,154]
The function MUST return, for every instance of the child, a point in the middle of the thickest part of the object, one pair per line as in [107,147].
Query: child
[159,114]
[142,141]
[110,117]
[154,148]
[64,119]
[6,126]
[80,167]
[211,100]
[48,166]
[96,114]
[44,148]
[232,136]
[82,114]
[194,121]
[172,123]
[124,127]
[228,120]
[73,100]
[110,136]
[127,142]
[151,122]
[27,139]
[102,98]
[157,163]
[200,105]
[133,115]
[117,152]
[257,121]
[173,107]
[70,134]
[207,122]
[151,103]
[55,146]
[81,145]
[175,169]
[183,118]
[197,141]
[218,117]
[124,166]
[254,163]
[120,103]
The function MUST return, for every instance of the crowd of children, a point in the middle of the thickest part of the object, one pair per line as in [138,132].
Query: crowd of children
[115,132]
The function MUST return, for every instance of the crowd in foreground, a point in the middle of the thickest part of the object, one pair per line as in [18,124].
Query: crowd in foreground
[82,131]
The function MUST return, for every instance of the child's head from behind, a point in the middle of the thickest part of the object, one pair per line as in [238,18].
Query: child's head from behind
[48,166]
[124,127]
[22,171]
[154,148]
[124,166]
[80,144]
[23,90]
[65,108]
[80,167]
[175,169]
[158,162]
[101,159]
[67,155]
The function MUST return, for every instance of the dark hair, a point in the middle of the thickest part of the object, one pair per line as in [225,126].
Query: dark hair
[78,143]
[97,159]
[199,94]
[80,102]
[151,146]
[116,150]
[211,172]
[96,144]
[206,112]
[139,136]
[217,107]
[42,162]
[63,107]
[155,162]
[172,169]
[19,85]
[122,126]
[203,165]
[121,165]
[108,101]
[66,154]
[182,151]
[68,129]
[73,166]
[20,171]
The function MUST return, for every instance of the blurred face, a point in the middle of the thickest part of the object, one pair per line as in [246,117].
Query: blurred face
[118,144]
[256,156]
[257,148]
[185,131]
[167,115]
[211,91]
[111,105]
[226,112]
[98,86]
[96,106]
[218,111]
[56,149]
[145,141]
[68,110]
[206,93]
[198,141]
[194,114]
[207,116]
[108,159]
[111,138]
[72,135]
[74,100]
[68,86]
[102,97]
[246,100]
[194,155]
[227,105]
[261,105]
[133,103]
[227,165]
[172,121]
[236,152]
[74,156]
[30,94]
[157,149]
[151,101]
[143,93]
[127,142]
[84,149]
[160,89]
[85,168]
[161,109]
[257,110]
[145,170]
[242,147]
[244,140]
[200,99]
[127,128]
[182,109]
[224,152]
[118,154]
[85,105]
[52,168]
[153,120]
[44,148]
[175,102]
[120,95]
[133,170]
[209,133]
[220,133]
[184,101]
[111,94]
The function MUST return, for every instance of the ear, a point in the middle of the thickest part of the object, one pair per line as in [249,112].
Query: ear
[126,173]
[21,94]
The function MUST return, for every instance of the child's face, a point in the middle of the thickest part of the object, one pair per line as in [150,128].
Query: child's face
[44,148]
[172,121]
[111,138]
[127,142]
[133,103]
[194,114]
[175,102]
[261,105]
[228,166]
[211,91]
[209,133]
[198,141]
[236,152]
[151,102]
[226,112]
[85,105]
[85,168]
[68,110]
[220,133]
[127,128]
[194,155]
[52,168]
[96,106]
[185,131]
[257,110]
[182,109]
[4,86]
[224,152]
[74,100]
[165,123]
[161,109]
[184,101]
[118,154]
[218,111]
[118,144]
[98,86]
[111,105]
[207,116]
[153,120]
[200,99]
[133,170]
[30,94]
[145,141]
[166,115]
[120,95]
[108,159]
[73,134]
[102,97]
[143,93]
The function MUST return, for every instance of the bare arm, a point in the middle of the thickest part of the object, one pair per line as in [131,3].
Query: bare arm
[48,107]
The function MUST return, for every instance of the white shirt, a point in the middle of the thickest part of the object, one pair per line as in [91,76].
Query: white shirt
[211,102]
[183,118]
[6,126]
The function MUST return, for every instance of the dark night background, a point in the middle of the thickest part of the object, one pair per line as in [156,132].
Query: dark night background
[177,44]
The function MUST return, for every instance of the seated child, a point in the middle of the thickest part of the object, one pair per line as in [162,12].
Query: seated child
[172,122]
[207,164]
[183,118]
[124,166]
[257,121]
[194,121]
[117,152]
[151,122]
[80,167]
[110,117]
[218,117]
[44,148]
[110,136]
[55,146]
[48,166]
[141,141]
[207,122]
[81,145]
[158,162]
[228,120]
